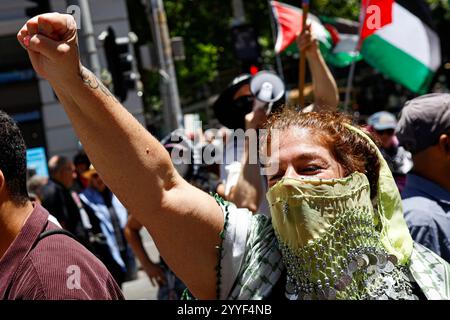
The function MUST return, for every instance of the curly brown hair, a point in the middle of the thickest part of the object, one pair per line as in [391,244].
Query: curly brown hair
[351,150]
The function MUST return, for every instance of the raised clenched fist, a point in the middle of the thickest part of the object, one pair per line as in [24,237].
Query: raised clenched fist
[52,45]
[306,41]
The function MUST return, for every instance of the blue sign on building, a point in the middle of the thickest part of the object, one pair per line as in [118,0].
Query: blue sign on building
[37,161]
[17,76]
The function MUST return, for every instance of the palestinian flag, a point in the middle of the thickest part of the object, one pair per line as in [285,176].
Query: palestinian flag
[338,38]
[398,39]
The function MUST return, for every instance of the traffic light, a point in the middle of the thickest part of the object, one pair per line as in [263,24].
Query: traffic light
[38,7]
[120,63]
[246,47]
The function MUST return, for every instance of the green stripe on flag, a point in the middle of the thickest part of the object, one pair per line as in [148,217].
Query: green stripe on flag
[397,64]
[339,59]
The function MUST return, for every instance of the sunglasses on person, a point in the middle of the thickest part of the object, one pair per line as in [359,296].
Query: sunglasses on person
[389,132]
[243,102]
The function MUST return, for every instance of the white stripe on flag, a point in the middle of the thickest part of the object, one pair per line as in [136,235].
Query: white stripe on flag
[411,35]
[348,44]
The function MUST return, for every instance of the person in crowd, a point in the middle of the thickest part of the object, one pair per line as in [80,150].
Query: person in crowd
[34,187]
[249,186]
[170,287]
[424,130]
[382,125]
[337,226]
[35,184]
[112,217]
[82,164]
[59,199]
[36,262]
[230,108]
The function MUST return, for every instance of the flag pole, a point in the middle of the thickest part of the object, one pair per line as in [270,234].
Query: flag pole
[349,87]
[274,35]
[302,64]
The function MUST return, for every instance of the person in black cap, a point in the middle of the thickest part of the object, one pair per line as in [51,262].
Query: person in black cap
[234,102]
[424,130]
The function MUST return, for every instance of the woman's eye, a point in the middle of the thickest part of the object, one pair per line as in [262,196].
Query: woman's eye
[311,169]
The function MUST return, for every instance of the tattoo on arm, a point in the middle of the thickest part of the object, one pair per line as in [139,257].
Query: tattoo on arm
[91,80]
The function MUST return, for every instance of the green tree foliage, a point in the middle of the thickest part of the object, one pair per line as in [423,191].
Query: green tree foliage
[203,26]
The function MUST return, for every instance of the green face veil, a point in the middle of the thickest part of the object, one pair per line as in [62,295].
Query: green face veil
[332,239]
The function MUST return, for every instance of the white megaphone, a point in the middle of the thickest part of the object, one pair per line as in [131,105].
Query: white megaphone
[267,88]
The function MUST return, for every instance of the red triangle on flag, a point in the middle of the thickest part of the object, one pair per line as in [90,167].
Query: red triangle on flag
[289,20]
[376,14]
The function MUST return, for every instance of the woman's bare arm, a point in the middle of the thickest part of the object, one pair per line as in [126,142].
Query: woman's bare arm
[184,221]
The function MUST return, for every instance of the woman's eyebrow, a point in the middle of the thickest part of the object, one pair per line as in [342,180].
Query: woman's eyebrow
[305,156]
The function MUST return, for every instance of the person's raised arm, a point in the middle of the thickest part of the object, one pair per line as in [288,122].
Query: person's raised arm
[326,95]
[184,221]
[154,272]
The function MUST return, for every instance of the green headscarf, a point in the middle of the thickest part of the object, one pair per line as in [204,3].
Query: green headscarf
[395,235]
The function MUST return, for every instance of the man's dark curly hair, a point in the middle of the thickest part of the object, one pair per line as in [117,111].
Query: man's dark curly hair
[13,159]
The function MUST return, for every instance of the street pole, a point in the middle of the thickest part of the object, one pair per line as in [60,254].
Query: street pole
[349,87]
[173,117]
[88,34]
[238,12]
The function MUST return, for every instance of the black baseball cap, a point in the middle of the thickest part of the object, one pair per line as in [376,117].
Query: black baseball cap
[226,111]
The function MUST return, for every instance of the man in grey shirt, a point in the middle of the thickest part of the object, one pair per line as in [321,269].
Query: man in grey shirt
[424,130]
